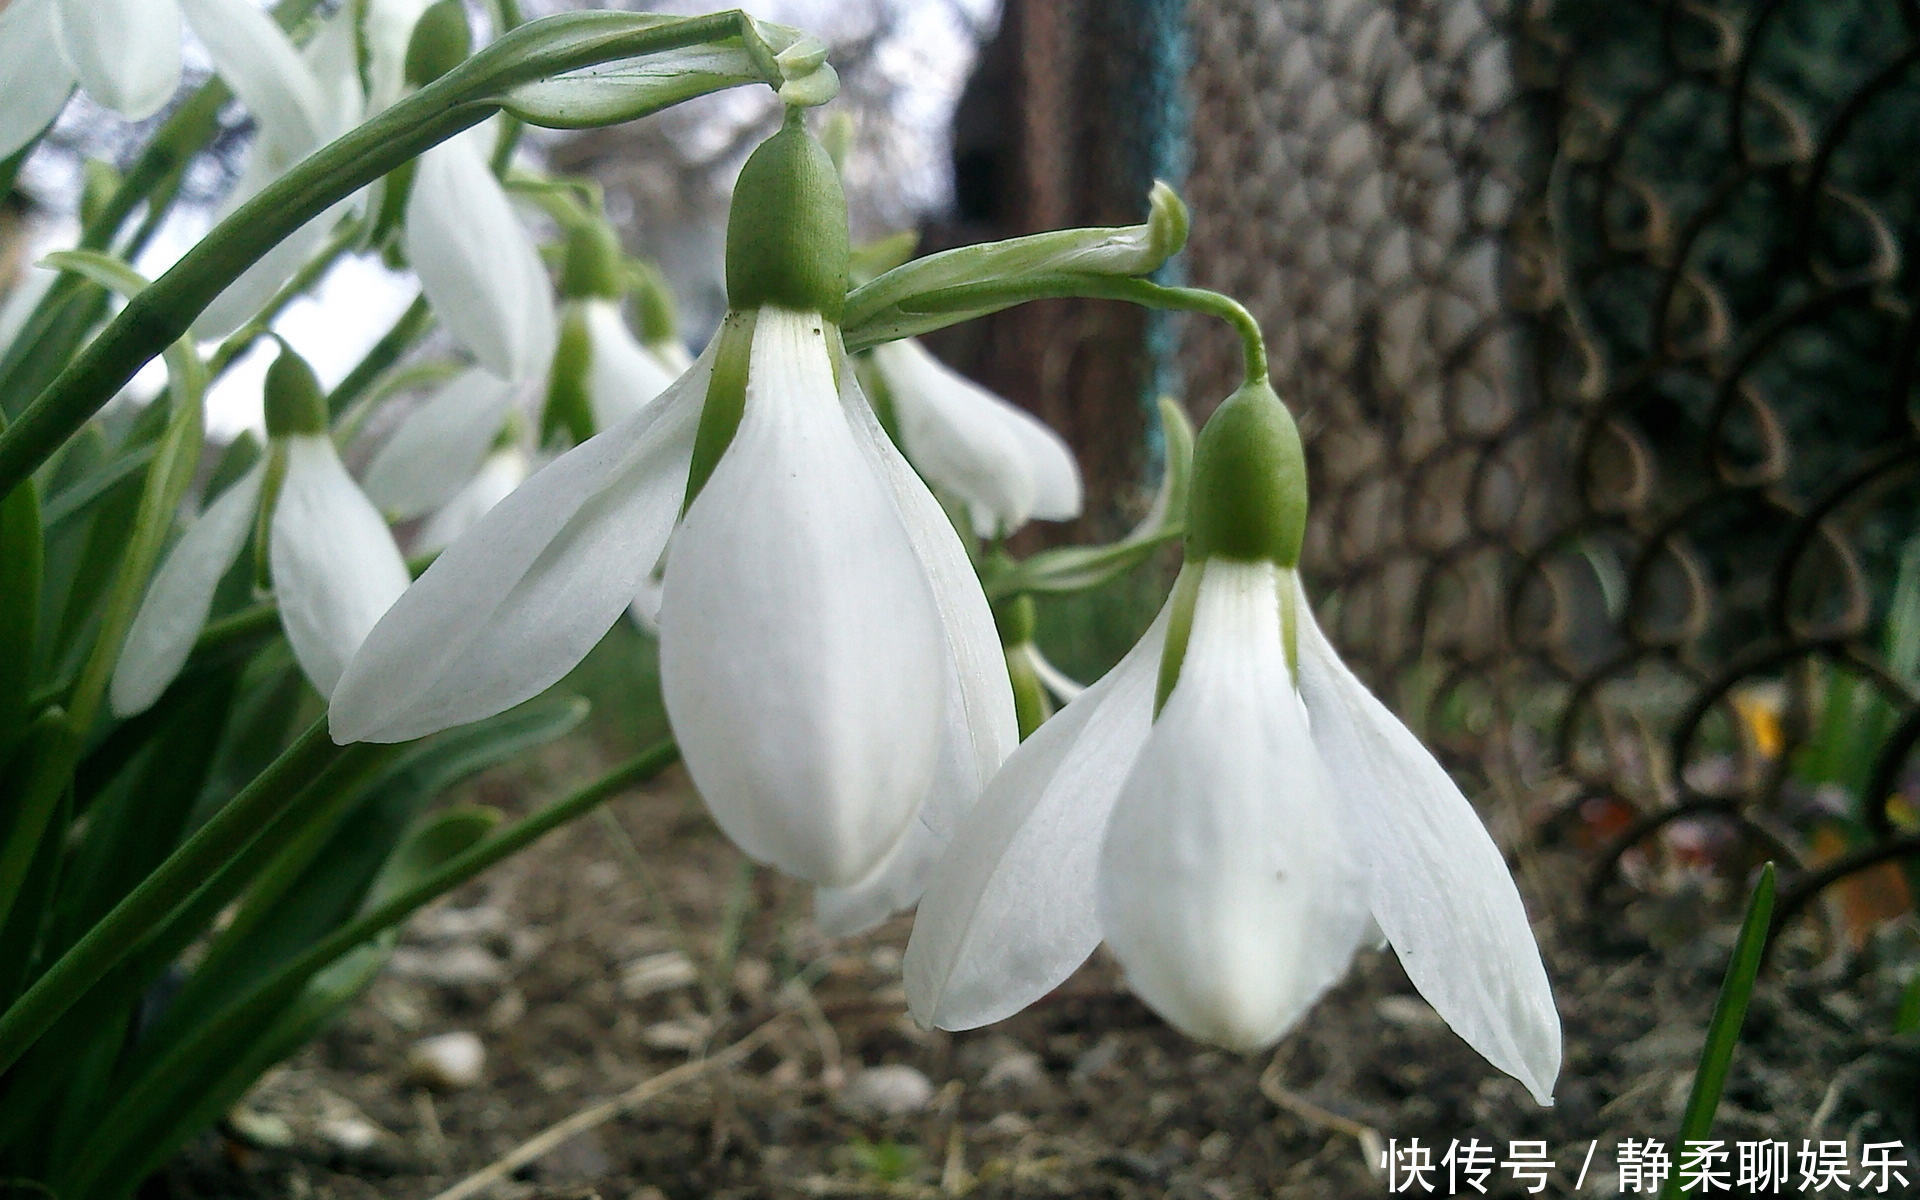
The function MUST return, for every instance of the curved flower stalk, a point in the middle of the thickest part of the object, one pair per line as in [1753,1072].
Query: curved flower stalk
[124,53]
[334,565]
[815,599]
[1232,812]
[1003,463]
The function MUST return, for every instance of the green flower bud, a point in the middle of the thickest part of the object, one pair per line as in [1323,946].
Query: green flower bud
[787,234]
[441,41]
[592,266]
[294,402]
[1249,497]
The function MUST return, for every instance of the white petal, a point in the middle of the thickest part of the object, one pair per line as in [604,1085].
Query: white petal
[175,607]
[1009,912]
[798,634]
[1063,686]
[979,728]
[333,59]
[1000,461]
[240,301]
[439,445]
[498,476]
[476,262]
[259,62]
[1227,888]
[1441,891]
[335,567]
[34,76]
[623,376]
[518,601]
[125,53]
[388,28]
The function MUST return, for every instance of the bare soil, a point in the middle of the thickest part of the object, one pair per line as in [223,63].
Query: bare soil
[621,949]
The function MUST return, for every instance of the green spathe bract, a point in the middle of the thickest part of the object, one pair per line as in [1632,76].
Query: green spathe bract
[294,401]
[787,233]
[1249,499]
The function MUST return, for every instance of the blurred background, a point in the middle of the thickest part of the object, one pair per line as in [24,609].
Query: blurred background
[1602,328]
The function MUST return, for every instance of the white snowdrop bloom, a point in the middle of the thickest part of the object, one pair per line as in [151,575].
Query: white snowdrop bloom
[623,376]
[1235,848]
[439,447]
[299,103]
[124,53]
[334,564]
[999,460]
[477,264]
[829,661]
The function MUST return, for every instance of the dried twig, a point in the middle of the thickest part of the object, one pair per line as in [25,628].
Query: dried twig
[599,1114]
[1372,1146]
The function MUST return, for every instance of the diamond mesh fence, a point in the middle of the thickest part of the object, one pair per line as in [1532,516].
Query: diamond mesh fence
[1603,335]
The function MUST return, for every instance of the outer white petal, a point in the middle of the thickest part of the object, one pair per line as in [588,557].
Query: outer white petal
[247,295]
[800,647]
[34,77]
[979,728]
[1009,912]
[623,376]
[1063,686]
[519,599]
[388,27]
[335,567]
[476,262]
[174,609]
[126,53]
[503,471]
[439,446]
[1003,463]
[1441,891]
[1227,888]
[259,62]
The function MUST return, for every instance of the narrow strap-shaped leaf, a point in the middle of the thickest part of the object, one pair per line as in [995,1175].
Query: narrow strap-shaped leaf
[22,555]
[1729,1013]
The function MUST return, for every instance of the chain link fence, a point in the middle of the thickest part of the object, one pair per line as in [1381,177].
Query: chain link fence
[1603,334]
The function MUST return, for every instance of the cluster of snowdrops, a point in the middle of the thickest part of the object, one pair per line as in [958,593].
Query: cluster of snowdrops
[809,514]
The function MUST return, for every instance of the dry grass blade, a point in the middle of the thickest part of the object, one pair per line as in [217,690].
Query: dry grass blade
[599,1114]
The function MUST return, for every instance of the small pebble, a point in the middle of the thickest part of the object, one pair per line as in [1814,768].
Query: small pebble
[894,1090]
[455,966]
[448,1062]
[657,973]
[1016,1071]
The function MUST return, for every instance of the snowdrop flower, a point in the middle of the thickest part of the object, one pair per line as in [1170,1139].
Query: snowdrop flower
[999,460]
[334,565]
[125,53]
[299,103]
[1233,813]
[503,470]
[477,264]
[829,662]
[601,373]
[439,446]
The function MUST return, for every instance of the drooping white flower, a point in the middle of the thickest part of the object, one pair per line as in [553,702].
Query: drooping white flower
[600,372]
[623,375]
[504,470]
[299,103]
[476,262]
[1004,464]
[334,565]
[829,661]
[1235,848]
[124,53]
[440,445]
